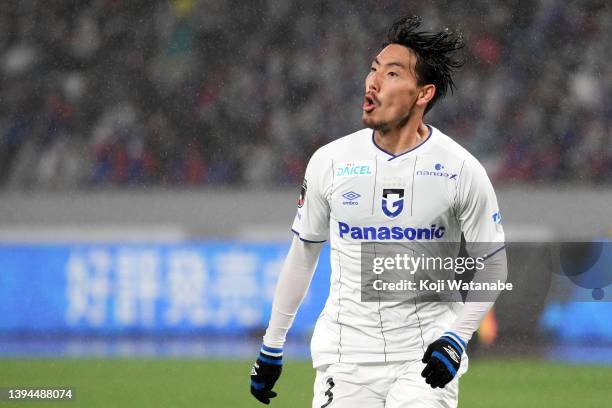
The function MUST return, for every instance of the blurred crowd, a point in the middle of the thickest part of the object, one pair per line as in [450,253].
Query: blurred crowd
[188,92]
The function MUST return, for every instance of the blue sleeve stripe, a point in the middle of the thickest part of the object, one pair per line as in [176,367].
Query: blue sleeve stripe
[445,361]
[257,386]
[270,360]
[456,338]
[271,349]
[306,240]
[272,352]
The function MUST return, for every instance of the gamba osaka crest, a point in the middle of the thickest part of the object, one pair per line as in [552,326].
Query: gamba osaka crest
[392,201]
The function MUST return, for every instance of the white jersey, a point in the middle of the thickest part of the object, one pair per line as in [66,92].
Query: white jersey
[354,192]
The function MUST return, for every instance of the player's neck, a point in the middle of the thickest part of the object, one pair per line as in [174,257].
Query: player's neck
[401,139]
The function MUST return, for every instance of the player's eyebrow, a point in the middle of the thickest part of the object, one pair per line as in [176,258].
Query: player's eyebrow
[390,64]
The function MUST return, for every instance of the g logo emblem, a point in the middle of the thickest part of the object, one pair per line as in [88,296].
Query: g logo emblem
[392,201]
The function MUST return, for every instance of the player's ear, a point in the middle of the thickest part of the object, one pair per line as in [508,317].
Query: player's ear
[426,94]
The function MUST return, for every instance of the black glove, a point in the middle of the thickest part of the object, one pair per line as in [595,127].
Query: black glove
[265,372]
[443,358]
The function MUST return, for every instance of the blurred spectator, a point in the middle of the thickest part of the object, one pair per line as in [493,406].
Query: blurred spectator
[188,92]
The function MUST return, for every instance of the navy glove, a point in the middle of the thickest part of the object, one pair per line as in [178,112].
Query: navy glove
[265,372]
[443,358]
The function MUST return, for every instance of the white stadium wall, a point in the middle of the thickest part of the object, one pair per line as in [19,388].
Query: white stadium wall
[529,213]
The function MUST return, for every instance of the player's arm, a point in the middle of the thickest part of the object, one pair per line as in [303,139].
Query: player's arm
[293,283]
[292,286]
[478,304]
[478,214]
[311,226]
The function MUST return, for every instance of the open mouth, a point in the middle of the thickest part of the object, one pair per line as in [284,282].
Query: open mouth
[369,104]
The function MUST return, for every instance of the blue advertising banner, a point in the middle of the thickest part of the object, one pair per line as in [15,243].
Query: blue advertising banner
[207,287]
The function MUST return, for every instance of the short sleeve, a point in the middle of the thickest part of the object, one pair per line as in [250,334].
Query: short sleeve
[311,222]
[477,208]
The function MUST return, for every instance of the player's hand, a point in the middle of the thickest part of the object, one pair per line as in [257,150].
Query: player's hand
[443,358]
[265,372]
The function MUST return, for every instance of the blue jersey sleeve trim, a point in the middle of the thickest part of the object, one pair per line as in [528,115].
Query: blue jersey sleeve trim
[395,156]
[455,337]
[306,240]
[271,349]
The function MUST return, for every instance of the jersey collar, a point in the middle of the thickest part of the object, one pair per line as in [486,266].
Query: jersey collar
[395,156]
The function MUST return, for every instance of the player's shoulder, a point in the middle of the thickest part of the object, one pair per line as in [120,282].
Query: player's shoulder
[450,148]
[345,145]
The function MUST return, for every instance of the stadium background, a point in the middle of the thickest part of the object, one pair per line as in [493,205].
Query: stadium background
[152,152]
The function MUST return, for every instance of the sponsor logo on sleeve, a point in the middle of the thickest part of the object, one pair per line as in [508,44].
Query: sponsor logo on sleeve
[302,197]
[497,218]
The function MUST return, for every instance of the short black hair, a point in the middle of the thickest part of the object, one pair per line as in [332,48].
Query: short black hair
[436,57]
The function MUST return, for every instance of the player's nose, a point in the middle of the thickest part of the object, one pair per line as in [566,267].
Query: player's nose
[372,83]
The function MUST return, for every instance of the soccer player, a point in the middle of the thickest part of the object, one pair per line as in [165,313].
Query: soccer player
[398,180]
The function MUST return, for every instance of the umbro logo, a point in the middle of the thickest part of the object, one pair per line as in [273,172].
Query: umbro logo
[351,198]
[451,353]
[254,370]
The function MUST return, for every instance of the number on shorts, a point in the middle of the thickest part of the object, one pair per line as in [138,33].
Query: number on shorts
[328,393]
